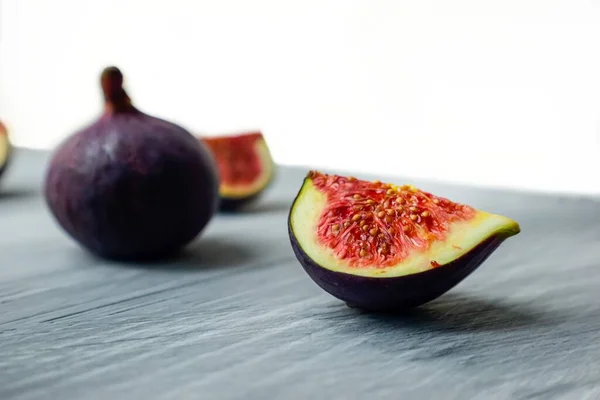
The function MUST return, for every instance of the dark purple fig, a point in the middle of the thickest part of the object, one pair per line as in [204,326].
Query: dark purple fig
[384,247]
[131,186]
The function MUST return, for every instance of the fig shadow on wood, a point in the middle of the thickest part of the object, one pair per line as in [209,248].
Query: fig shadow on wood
[203,254]
[462,313]
[263,206]
[17,193]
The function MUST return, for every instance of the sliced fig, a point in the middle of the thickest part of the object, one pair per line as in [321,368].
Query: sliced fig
[5,149]
[379,246]
[245,165]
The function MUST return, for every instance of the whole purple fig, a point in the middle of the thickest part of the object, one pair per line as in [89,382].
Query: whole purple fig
[131,186]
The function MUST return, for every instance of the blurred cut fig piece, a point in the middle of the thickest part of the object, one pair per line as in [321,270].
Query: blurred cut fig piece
[384,247]
[245,165]
[5,149]
[131,186]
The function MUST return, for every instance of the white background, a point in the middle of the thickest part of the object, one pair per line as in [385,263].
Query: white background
[503,93]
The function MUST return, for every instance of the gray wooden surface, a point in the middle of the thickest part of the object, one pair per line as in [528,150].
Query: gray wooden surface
[237,318]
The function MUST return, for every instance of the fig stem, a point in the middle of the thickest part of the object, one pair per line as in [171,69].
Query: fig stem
[116,99]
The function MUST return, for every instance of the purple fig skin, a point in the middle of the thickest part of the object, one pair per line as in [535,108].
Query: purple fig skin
[131,186]
[397,293]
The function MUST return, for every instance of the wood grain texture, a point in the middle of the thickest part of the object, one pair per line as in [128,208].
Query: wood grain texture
[237,318]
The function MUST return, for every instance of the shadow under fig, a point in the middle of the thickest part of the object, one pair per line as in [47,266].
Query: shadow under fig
[17,193]
[465,330]
[202,255]
[459,312]
[261,206]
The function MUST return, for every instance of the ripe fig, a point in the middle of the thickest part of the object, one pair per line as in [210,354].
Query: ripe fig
[131,186]
[5,149]
[245,165]
[379,246]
